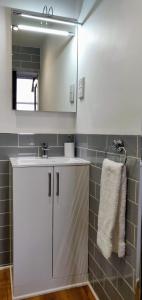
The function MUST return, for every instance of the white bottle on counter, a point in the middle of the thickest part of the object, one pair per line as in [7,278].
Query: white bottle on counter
[69,148]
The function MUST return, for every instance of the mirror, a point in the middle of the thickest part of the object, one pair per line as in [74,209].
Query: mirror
[44,63]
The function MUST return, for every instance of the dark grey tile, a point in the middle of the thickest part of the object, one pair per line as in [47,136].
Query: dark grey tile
[97,195]
[92,218]
[99,275]
[90,247]
[4,245]
[91,277]
[92,156]
[131,189]
[6,152]
[92,188]
[81,140]
[125,290]
[113,156]
[130,255]
[30,50]
[132,212]
[97,142]
[130,233]
[4,193]
[21,57]
[92,234]
[8,139]
[56,151]
[136,232]
[100,158]
[121,266]
[15,65]
[95,174]
[4,206]
[93,205]
[26,140]
[137,192]
[30,65]
[5,219]
[105,265]
[111,291]
[130,143]
[4,166]
[27,151]
[96,222]
[4,180]
[99,291]
[64,138]
[36,58]
[130,280]
[4,232]
[84,153]
[133,168]
[51,139]
[139,147]
[5,259]
[77,152]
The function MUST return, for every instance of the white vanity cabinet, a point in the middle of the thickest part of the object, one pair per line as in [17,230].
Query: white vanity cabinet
[70,223]
[50,227]
[32,229]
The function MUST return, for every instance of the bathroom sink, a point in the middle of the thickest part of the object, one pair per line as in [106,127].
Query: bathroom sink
[51,161]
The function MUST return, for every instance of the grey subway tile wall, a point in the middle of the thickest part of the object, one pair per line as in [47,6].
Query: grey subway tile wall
[26,58]
[113,278]
[19,145]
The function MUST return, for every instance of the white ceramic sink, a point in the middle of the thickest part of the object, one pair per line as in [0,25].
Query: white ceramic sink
[51,161]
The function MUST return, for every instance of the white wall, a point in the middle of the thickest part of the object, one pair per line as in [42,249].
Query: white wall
[110,57]
[58,71]
[11,121]
[66,8]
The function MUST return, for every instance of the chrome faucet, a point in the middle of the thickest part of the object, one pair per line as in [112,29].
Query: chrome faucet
[44,150]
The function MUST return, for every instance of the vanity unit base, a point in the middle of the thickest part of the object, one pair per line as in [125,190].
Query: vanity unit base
[53,285]
[50,226]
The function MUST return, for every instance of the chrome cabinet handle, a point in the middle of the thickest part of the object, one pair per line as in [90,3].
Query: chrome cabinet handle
[57,190]
[49,183]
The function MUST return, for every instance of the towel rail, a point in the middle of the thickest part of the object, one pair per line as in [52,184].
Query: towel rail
[118,145]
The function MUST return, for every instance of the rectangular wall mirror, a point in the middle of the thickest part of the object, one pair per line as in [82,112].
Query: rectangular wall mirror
[44,63]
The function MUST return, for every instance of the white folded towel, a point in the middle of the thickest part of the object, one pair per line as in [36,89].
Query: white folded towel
[111,217]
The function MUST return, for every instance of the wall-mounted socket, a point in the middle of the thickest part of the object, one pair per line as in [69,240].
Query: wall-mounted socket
[81,88]
[71,94]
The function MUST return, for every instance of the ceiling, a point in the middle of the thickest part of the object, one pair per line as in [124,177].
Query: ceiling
[66,8]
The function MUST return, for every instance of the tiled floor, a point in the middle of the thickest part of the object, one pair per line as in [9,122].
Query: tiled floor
[81,293]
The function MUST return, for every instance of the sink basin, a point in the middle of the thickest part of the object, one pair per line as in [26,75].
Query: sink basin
[51,161]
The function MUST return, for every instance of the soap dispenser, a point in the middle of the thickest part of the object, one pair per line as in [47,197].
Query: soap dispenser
[69,147]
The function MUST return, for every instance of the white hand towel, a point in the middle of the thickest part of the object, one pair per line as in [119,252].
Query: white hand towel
[111,217]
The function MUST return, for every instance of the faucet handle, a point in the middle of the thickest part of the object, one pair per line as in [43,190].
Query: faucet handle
[44,145]
[45,149]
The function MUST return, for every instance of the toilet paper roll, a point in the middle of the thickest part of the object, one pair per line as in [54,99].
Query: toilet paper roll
[69,150]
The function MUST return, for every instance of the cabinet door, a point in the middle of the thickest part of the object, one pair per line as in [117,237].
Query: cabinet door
[70,225]
[32,230]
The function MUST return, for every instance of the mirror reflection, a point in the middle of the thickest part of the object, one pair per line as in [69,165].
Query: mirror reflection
[44,63]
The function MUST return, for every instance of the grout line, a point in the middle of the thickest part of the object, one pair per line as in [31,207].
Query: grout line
[117,271]
[132,202]
[113,277]
[5,252]
[5,226]
[57,139]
